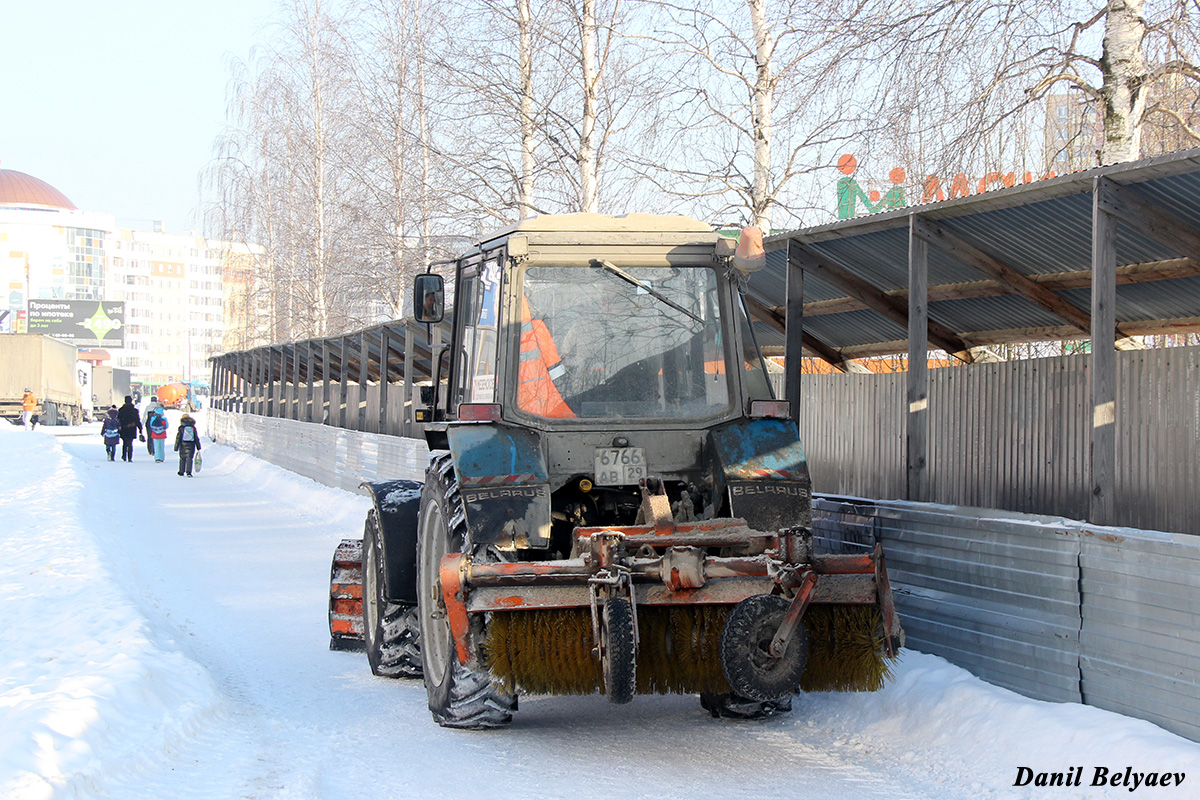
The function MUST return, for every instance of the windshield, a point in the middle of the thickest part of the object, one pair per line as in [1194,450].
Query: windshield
[614,340]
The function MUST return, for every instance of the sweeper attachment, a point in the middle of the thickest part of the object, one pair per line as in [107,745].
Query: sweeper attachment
[616,501]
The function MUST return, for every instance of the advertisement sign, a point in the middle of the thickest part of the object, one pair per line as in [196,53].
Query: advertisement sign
[83,323]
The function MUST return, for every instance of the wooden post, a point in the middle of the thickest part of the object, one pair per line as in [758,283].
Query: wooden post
[385,343]
[326,408]
[294,412]
[270,381]
[794,330]
[407,405]
[344,398]
[1102,367]
[308,400]
[364,377]
[917,438]
[255,381]
[247,364]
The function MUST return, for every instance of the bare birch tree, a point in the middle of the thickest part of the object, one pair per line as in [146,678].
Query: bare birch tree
[770,90]
[1098,50]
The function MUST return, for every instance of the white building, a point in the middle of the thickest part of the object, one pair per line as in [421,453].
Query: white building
[171,284]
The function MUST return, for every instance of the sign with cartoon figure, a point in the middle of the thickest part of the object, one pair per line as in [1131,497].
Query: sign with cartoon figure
[84,323]
[853,200]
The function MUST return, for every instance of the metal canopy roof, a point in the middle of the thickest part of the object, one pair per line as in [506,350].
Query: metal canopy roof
[856,271]
[296,360]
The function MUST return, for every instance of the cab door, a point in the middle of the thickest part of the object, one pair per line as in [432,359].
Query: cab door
[477,334]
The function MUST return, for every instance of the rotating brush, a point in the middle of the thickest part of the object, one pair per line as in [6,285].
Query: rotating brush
[550,651]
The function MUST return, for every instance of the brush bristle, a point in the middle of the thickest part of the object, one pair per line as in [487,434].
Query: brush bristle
[550,651]
[845,649]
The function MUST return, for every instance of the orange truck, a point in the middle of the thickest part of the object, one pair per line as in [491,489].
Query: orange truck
[177,395]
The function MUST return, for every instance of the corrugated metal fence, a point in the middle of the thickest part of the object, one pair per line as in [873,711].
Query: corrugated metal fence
[1048,607]
[1014,435]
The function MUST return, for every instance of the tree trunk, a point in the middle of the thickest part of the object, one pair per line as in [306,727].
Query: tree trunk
[589,200]
[764,100]
[525,60]
[1124,89]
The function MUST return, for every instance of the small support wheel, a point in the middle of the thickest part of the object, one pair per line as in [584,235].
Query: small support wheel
[619,657]
[746,659]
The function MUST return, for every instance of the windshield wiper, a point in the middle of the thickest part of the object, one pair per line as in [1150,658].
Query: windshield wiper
[625,276]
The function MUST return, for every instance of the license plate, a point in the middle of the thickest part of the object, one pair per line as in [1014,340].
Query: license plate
[618,466]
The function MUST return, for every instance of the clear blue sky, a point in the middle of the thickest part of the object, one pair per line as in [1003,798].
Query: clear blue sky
[117,104]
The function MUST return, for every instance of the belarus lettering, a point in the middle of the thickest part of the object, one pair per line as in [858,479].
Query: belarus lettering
[791,489]
[475,495]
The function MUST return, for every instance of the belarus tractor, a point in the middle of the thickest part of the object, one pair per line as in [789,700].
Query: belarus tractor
[616,501]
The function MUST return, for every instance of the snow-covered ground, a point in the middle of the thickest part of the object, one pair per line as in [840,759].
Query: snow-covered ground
[165,637]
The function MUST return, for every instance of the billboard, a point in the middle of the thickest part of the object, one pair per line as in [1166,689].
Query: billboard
[83,323]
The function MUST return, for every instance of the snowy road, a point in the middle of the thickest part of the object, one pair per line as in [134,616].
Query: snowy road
[165,637]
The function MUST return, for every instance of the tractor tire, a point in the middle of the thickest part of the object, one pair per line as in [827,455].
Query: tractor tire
[732,706]
[391,633]
[459,695]
[620,657]
[749,667]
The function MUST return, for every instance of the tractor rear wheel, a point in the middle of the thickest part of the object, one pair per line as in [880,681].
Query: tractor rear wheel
[746,659]
[391,632]
[459,696]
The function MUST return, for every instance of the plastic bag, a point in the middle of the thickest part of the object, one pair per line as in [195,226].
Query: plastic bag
[196,462]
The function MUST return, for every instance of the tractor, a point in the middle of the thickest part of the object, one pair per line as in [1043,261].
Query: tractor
[616,500]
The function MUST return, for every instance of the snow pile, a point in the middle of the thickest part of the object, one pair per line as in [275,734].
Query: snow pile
[936,713]
[85,694]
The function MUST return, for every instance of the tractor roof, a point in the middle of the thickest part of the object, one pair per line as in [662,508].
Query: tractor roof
[589,226]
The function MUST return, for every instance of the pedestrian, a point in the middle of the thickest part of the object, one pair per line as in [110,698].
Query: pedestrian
[156,428]
[187,444]
[146,412]
[110,429]
[28,406]
[131,426]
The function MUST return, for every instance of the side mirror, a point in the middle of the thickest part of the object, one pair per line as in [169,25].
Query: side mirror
[429,298]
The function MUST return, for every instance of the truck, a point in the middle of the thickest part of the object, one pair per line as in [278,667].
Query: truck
[110,386]
[51,370]
[177,394]
[615,501]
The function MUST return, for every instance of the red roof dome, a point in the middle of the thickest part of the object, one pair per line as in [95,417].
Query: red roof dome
[25,191]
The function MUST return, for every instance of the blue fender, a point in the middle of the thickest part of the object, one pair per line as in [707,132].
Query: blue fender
[764,471]
[503,480]
[398,506]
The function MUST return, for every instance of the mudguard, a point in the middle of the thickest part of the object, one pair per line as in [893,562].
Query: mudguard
[398,505]
[763,468]
[504,484]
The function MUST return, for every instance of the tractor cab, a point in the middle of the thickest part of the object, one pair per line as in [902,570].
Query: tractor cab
[605,351]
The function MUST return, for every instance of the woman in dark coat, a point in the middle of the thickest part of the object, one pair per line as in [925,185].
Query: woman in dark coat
[187,444]
[131,426]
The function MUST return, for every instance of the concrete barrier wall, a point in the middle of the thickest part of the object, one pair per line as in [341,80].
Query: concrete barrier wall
[332,456]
